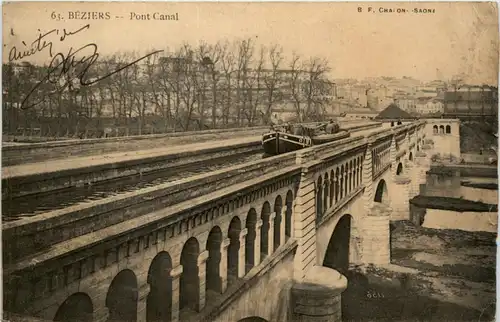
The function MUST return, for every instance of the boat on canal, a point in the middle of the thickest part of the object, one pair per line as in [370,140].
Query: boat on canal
[285,138]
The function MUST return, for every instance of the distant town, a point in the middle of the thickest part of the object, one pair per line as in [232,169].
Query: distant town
[369,96]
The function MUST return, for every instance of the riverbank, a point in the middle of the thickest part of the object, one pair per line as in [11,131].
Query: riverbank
[435,275]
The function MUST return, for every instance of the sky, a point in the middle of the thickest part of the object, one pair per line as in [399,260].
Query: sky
[457,38]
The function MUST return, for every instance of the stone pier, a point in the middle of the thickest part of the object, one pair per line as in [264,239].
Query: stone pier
[318,297]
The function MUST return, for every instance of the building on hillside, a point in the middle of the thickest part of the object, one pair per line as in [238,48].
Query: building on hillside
[471,101]
[352,92]
[428,106]
[361,113]
[339,106]
[406,102]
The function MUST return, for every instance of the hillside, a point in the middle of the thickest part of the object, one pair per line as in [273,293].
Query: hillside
[476,135]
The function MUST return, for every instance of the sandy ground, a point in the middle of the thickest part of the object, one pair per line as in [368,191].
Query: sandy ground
[435,275]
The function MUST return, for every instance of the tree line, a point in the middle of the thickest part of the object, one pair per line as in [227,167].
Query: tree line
[209,86]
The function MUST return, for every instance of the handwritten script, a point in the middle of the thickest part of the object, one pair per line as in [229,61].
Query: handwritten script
[64,68]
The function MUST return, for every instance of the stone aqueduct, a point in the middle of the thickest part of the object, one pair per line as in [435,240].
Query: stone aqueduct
[234,253]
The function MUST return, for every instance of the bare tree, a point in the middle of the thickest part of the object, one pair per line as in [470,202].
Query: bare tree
[244,61]
[254,85]
[315,88]
[294,86]
[228,66]
[273,79]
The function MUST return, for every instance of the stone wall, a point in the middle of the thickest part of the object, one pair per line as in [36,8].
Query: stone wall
[445,144]
[265,294]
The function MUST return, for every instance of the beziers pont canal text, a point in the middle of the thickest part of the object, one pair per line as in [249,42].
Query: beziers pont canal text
[154,16]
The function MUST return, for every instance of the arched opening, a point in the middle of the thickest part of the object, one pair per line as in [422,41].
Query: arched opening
[250,240]
[355,174]
[381,192]
[392,123]
[264,230]
[346,181]
[213,280]
[448,129]
[77,308]
[441,129]
[326,193]
[337,252]
[319,197]
[341,185]
[399,169]
[332,188]
[159,300]
[337,190]
[253,319]
[410,156]
[288,217]
[360,172]
[233,250]
[435,129]
[278,205]
[189,289]
[121,299]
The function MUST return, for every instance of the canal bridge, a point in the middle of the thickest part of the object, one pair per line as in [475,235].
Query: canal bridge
[266,240]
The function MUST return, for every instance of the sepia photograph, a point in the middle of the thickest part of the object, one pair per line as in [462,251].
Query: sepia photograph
[249,161]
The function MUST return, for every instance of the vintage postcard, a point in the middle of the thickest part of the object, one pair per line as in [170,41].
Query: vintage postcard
[249,162]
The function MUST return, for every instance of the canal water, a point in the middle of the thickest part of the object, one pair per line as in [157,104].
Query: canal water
[479,189]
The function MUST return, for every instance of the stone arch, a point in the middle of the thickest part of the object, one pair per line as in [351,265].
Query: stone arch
[253,319]
[448,129]
[337,252]
[288,215]
[410,156]
[264,230]
[159,300]
[122,296]
[399,169]
[381,193]
[213,280]
[319,197]
[326,192]
[251,224]
[233,249]
[441,129]
[189,288]
[77,307]
[435,129]
[278,206]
